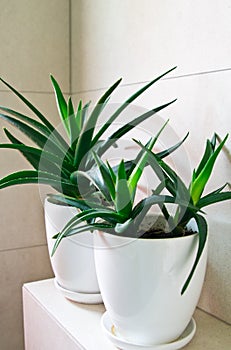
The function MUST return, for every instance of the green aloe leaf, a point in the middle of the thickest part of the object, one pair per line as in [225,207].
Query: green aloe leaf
[165,173]
[214,141]
[123,199]
[38,138]
[84,113]
[109,215]
[181,190]
[213,198]
[31,107]
[161,199]
[198,185]
[147,203]
[106,175]
[155,165]
[207,153]
[34,135]
[163,207]
[170,150]
[73,124]
[129,126]
[40,156]
[38,114]
[79,229]
[138,169]
[125,105]
[130,165]
[142,208]
[31,158]
[79,203]
[79,116]
[61,104]
[106,214]
[84,143]
[69,201]
[37,125]
[90,227]
[136,174]
[112,173]
[33,176]
[51,157]
[27,174]
[68,226]
[84,179]
[176,187]
[125,226]
[202,231]
[218,190]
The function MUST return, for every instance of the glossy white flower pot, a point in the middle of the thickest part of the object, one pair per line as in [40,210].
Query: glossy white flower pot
[141,282]
[73,262]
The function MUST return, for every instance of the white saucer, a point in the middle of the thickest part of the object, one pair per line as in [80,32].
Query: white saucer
[184,339]
[83,298]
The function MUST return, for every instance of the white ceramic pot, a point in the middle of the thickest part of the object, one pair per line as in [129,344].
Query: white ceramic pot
[141,282]
[73,262]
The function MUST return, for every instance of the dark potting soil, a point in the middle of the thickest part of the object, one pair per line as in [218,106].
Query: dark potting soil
[157,233]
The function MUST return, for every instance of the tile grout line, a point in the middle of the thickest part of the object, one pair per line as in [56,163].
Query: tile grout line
[21,248]
[70,48]
[146,81]
[199,73]
[32,92]
[121,86]
[212,315]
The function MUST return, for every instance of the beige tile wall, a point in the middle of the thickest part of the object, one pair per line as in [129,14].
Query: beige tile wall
[34,37]
[137,40]
[34,42]
[18,266]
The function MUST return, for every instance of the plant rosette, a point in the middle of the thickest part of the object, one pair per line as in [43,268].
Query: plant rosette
[74,264]
[141,282]
[150,284]
[56,160]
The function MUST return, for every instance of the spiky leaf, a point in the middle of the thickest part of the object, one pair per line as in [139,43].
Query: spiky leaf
[126,104]
[123,199]
[198,185]
[61,104]
[202,231]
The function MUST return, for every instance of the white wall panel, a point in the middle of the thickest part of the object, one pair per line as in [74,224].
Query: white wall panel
[137,39]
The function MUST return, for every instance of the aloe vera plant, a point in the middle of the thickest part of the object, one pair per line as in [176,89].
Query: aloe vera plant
[118,213]
[115,204]
[192,194]
[55,160]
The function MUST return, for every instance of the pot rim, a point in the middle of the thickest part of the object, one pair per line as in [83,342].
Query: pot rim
[127,238]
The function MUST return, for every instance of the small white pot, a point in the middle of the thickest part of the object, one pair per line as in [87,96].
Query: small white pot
[73,262]
[141,282]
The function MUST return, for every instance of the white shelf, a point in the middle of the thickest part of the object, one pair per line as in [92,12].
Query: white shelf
[53,322]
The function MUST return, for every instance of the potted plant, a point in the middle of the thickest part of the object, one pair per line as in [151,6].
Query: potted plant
[55,160]
[150,270]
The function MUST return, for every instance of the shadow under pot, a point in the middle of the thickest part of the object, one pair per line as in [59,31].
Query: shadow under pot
[73,262]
